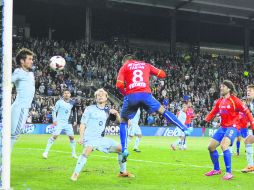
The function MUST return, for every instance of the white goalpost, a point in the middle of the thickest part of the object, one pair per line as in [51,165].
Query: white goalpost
[6,89]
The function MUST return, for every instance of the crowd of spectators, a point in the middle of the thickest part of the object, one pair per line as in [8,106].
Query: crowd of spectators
[196,80]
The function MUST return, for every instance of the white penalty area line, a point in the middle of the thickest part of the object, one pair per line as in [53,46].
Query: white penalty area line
[130,159]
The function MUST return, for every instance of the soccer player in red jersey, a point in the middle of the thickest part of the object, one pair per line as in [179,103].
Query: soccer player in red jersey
[133,83]
[228,106]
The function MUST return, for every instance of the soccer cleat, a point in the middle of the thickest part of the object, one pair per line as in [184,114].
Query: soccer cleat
[74,156]
[45,155]
[213,172]
[173,146]
[74,176]
[248,169]
[125,155]
[227,176]
[125,174]
[136,150]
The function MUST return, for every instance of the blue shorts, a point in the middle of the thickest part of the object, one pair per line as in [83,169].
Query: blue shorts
[230,132]
[243,132]
[189,125]
[134,101]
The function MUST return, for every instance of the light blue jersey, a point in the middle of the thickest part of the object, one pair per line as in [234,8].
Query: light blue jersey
[62,111]
[25,87]
[94,119]
[135,120]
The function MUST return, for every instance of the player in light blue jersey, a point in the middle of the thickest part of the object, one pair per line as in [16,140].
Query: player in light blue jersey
[93,123]
[182,116]
[61,119]
[23,79]
[134,130]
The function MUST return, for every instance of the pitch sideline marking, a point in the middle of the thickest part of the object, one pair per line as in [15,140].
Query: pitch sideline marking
[134,160]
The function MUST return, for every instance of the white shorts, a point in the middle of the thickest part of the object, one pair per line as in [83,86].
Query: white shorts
[19,116]
[102,144]
[179,132]
[134,130]
[67,128]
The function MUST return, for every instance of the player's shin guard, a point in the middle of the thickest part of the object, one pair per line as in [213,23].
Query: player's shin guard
[137,141]
[49,144]
[227,160]
[238,147]
[73,147]
[173,119]
[123,135]
[80,163]
[215,159]
[121,164]
[249,154]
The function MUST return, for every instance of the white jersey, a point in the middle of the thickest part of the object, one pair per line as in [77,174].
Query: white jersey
[94,119]
[25,87]
[182,116]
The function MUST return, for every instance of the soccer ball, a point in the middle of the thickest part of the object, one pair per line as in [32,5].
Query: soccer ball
[57,63]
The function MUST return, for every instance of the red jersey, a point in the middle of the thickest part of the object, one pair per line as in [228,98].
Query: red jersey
[190,116]
[134,77]
[229,109]
[242,121]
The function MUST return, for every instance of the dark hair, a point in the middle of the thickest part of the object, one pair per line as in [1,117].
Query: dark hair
[22,54]
[128,57]
[230,85]
[66,89]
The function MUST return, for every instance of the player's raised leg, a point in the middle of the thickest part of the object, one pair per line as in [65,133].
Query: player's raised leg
[172,118]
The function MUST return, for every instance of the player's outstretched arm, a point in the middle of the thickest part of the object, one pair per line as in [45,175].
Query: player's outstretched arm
[157,72]
[214,111]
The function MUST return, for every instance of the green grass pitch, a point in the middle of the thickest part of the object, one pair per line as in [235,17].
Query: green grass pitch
[156,167]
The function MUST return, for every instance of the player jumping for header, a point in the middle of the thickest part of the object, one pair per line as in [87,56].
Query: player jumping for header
[133,83]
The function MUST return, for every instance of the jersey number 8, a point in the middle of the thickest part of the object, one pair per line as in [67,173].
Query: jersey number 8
[137,74]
